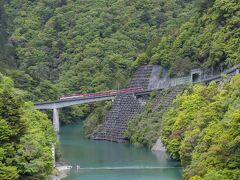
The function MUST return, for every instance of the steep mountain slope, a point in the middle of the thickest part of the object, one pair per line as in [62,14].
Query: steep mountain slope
[65,46]
[144,128]
[93,45]
[80,45]
[55,47]
[6,50]
[209,37]
[202,130]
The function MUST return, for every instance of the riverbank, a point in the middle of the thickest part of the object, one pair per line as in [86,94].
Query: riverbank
[61,171]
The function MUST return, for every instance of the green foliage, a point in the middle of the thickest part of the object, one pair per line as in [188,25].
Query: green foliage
[57,47]
[6,50]
[77,46]
[80,46]
[35,153]
[206,32]
[144,128]
[177,118]
[202,130]
[61,47]
[73,114]
[26,136]
[8,172]
[95,118]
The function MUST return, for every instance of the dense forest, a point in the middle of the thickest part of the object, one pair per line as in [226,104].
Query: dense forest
[59,47]
[201,129]
[50,48]
[26,136]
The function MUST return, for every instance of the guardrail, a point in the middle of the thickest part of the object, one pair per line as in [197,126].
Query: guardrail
[216,77]
[180,81]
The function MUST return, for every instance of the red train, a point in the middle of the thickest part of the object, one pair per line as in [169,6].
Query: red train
[103,93]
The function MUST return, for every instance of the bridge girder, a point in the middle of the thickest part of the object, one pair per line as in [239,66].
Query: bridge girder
[71,102]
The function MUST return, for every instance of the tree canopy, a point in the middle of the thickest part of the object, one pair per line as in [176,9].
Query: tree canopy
[202,130]
[52,48]
[66,46]
[26,136]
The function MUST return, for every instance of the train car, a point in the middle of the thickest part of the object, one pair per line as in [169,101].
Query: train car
[70,97]
[103,93]
[123,91]
[113,92]
[129,90]
[139,89]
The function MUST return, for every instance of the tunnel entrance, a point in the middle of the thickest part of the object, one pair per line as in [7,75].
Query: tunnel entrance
[196,75]
[195,78]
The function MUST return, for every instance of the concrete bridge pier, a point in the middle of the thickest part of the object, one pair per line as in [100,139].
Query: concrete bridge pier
[56,124]
[54,154]
[56,127]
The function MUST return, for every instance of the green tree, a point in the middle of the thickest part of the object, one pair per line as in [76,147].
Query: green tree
[26,136]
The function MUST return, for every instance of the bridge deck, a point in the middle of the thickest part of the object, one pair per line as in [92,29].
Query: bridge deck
[82,100]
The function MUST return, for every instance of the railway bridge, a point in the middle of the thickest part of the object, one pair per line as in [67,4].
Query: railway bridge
[55,105]
[148,84]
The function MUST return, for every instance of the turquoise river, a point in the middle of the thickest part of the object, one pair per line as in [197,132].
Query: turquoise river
[103,160]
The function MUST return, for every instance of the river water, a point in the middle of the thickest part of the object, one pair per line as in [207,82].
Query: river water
[103,160]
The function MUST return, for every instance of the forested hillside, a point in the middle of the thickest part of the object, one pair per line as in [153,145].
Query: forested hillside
[201,129]
[66,46]
[6,50]
[82,46]
[26,136]
[207,36]
[55,47]
[91,45]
